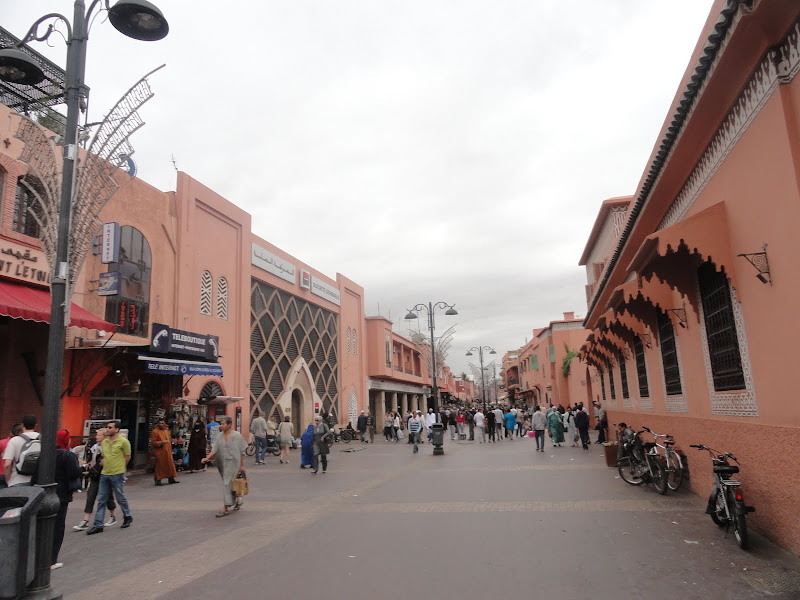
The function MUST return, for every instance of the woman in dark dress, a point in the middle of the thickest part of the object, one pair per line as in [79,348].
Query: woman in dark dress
[197,447]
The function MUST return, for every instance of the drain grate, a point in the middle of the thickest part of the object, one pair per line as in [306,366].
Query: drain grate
[773,581]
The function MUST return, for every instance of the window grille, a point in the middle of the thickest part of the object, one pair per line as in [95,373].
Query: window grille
[723,344]
[641,368]
[206,284]
[611,385]
[669,354]
[603,385]
[623,374]
[26,205]
[222,299]
[348,340]
[355,342]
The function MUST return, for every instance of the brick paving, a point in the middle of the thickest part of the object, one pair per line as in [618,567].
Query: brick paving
[483,518]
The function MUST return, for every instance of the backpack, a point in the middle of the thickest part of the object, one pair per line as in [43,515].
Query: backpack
[28,455]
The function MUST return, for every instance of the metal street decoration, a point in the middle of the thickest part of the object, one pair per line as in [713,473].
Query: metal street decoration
[108,150]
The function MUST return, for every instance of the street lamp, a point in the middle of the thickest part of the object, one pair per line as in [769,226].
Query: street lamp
[430,308]
[480,350]
[137,19]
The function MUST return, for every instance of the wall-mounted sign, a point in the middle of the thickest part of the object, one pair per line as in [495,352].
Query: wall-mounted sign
[264,259]
[109,284]
[305,280]
[109,246]
[164,339]
[324,290]
[24,264]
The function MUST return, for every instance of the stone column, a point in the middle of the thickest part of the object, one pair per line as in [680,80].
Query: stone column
[403,405]
[382,407]
[395,401]
[414,402]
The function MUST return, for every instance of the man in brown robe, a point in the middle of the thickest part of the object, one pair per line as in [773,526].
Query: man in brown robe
[162,452]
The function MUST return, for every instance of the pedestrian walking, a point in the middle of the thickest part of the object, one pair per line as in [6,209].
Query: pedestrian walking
[68,480]
[361,425]
[387,426]
[469,417]
[510,422]
[19,464]
[162,453]
[539,423]
[95,465]
[490,426]
[461,423]
[321,438]
[307,447]
[16,429]
[414,427]
[480,422]
[452,423]
[197,446]
[430,421]
[116,451]
[285,434]
[228,454]
[498,423]
[520,418]
[569,426]
[555,427]
[582,424]
[258,427]
[602,424]
[396,427]
[371,427]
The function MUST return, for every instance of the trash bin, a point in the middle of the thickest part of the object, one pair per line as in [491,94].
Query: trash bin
[437,438]
[18,508]
[611,450]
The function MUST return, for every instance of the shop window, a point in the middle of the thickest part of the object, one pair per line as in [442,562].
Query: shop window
[641,368]
[26,205]
[723,343]
[222,299]
[206,285]
[130,309]
[611,385]
[669,354]
[623,374]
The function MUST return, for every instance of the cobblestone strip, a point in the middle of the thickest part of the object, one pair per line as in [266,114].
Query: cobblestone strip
[643,505]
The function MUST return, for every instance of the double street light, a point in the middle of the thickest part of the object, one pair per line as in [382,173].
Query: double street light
[430,308]
[137,19]
[480,350]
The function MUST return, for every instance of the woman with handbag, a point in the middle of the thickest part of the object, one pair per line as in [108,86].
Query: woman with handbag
[322,434]
[95,466]
[228,449]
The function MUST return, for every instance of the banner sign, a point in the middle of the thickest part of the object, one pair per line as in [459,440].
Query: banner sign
[23,264]
[264,259]
[165,366]
[109,284]
[109,246]
[164,339]
[324,290]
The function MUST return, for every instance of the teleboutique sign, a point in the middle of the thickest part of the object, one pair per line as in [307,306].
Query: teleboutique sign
[166,340]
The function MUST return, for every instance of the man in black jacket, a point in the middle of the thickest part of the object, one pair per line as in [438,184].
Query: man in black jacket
[361,425]
[582,423]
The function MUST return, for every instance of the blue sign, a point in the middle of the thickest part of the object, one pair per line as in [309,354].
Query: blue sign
[109,284]
[164,339]
[165,366]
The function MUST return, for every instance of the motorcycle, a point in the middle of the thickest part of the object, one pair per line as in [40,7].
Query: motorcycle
[726,503]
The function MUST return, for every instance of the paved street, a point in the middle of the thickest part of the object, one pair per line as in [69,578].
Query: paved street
[495,520]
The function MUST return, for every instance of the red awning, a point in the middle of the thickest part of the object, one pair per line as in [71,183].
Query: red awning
[33,304]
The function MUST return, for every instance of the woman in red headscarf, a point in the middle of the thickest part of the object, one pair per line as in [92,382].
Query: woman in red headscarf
[68,480]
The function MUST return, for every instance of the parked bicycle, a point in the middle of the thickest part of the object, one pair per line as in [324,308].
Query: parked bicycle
[672,460]
[726,502]
[344,435]
[639,463]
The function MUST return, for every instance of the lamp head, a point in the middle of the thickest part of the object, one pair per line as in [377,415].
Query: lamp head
[411,315]
[451,311]
[469,353]
[138,19]
[17,67]
[492,352]
[761,278]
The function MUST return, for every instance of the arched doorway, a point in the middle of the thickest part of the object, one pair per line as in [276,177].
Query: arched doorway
[297,412]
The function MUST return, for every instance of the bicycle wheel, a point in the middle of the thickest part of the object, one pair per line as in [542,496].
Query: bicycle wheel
[251,449]
[274,448]
[674,470]
[659,474]
[629,471]
[718,515]
[347,437]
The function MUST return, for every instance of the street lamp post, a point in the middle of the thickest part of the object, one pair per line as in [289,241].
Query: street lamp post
[430,308]
[480,350]
[137,19]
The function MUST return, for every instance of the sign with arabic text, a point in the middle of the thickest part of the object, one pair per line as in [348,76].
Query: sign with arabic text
[264,259]
[23,264]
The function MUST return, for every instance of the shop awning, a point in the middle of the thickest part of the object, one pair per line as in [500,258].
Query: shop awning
[33,304]
[178,366]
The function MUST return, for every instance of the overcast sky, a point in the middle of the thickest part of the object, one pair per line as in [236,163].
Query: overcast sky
[453,150]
